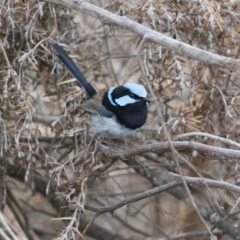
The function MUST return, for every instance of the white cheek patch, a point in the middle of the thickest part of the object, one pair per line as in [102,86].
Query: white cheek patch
[122,101]
[110,95]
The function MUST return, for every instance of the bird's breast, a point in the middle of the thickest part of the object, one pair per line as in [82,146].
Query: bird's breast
[108,127]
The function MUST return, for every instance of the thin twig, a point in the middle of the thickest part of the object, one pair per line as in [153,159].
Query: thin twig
[134,198]
[208,135]
[211,183]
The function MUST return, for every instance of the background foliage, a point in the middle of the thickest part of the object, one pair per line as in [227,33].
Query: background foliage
[57,183]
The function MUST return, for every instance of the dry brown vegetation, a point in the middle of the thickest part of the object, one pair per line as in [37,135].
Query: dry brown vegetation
[177,178]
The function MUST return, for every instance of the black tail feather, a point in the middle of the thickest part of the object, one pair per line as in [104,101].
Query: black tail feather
[74,70]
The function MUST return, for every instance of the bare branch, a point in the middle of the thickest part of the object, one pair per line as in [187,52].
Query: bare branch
[207,135]
[135,198]
[211,183]
[181,146]
[149,34]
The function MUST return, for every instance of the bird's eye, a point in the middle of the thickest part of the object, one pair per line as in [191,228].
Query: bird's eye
[132,95]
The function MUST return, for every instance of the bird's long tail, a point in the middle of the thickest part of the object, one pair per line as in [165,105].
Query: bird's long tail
[74,70]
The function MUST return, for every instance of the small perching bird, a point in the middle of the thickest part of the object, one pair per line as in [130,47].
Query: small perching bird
[118,112]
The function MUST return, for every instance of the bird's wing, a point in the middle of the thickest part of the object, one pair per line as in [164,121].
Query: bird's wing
[94,106]
[74,70]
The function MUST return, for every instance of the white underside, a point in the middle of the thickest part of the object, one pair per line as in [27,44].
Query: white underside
[108,127]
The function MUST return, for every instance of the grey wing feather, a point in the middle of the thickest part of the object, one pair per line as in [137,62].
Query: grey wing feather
[94,106]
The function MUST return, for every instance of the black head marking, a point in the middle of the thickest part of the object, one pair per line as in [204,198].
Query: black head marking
[132,115]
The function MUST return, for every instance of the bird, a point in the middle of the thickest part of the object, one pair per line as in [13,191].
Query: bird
[118,112]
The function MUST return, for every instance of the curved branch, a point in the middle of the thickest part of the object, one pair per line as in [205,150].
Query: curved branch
[204,149]
[137,197]
[210,183]
[149,34]
[208,135]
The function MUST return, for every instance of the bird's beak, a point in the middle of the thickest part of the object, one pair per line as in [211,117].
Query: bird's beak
[148,100]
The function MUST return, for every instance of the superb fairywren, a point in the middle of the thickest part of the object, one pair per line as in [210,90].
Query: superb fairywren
[119,111]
